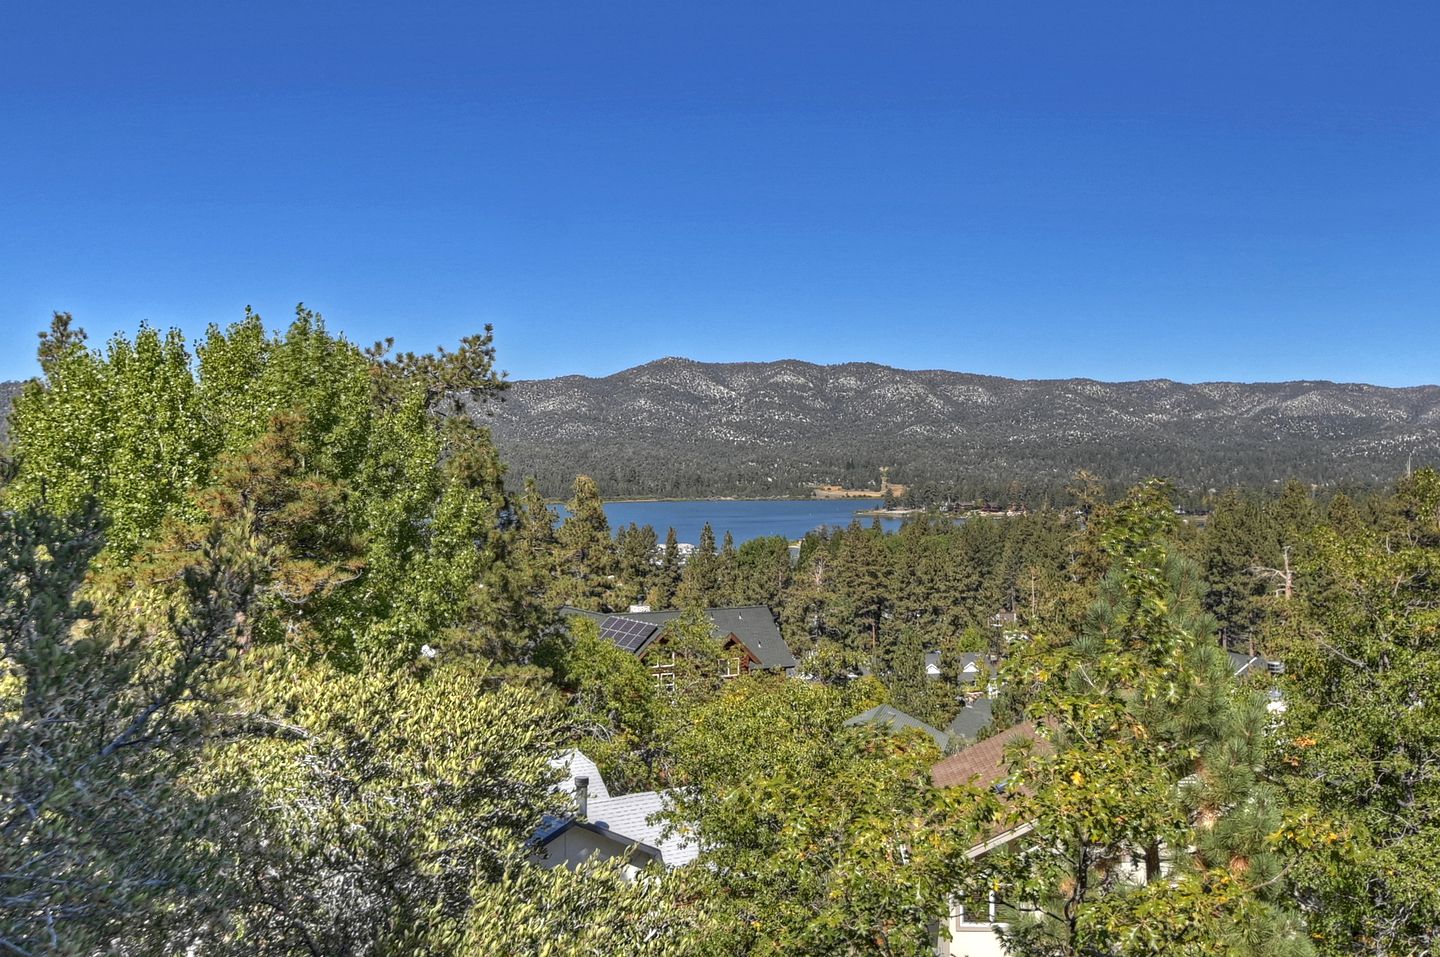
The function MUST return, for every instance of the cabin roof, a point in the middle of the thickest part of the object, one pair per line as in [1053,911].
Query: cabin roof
[752,625]
[1242,664]
[553,827]
[983,764]
[627,819]
[972,719]
[886,716]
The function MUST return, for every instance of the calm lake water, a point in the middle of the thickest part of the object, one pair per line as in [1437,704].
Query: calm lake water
[745,519]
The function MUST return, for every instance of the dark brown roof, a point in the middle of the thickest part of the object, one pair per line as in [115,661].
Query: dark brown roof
[984,762]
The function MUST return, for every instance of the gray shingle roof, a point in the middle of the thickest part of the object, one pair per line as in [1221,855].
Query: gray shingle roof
[975,668]
[972,719]
[753,625]
[635,816]
[573,765]
[885,716]
[553,827]
[626,818]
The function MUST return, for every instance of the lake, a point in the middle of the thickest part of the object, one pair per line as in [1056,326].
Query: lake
[744,519]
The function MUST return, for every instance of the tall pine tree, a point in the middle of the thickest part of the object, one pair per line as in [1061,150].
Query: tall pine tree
[587,566]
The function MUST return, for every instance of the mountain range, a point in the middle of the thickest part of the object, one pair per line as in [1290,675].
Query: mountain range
[681,428]
[676,427]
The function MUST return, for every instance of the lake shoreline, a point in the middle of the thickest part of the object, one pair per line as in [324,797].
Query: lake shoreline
[727,498]
[744,518]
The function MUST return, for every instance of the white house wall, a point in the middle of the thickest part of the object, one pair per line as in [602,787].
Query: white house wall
[577,845]
[970,940]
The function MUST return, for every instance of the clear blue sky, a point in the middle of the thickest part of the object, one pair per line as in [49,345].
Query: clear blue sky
[1119,190]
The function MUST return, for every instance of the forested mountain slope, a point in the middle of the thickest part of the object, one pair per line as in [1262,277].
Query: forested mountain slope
[679,427]
[8,392]
[676,427]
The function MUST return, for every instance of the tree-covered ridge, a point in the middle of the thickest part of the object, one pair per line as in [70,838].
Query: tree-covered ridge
[678,428]
[281,672]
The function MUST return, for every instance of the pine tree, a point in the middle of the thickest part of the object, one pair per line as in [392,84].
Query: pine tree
[1161,750]
[585,552]
[636,548]
[808,613]
[727,576]
[1238,537]
[667,580]
[1293,514]
[700,581]
[535,525]
[763,571]
[862,585]
[1342,516]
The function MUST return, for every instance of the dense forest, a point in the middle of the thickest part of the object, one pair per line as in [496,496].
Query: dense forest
[282,671]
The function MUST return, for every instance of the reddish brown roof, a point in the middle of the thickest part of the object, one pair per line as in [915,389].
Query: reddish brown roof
[984,761]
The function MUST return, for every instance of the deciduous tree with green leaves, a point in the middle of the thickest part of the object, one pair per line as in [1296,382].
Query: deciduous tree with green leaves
[245,703]
[381,806]
[1361,730]
[816,838]
[104,700]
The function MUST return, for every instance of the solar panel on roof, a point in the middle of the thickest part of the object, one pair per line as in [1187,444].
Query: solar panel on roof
[627,633]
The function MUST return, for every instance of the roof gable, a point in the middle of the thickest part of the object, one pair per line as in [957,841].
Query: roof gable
[626,819]
[636,817]
[575,765]
[983,764]
[888,717]
[552,828]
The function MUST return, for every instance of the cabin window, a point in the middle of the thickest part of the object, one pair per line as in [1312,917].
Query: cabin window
[978,911]
[990,910]
[731,668]
[664,672]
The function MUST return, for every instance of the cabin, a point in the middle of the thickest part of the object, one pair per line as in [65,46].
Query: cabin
[974,926]
[604,826]
[978,674]
[748,634]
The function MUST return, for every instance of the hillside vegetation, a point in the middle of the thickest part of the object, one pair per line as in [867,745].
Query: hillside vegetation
[287,669]
[675,427]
